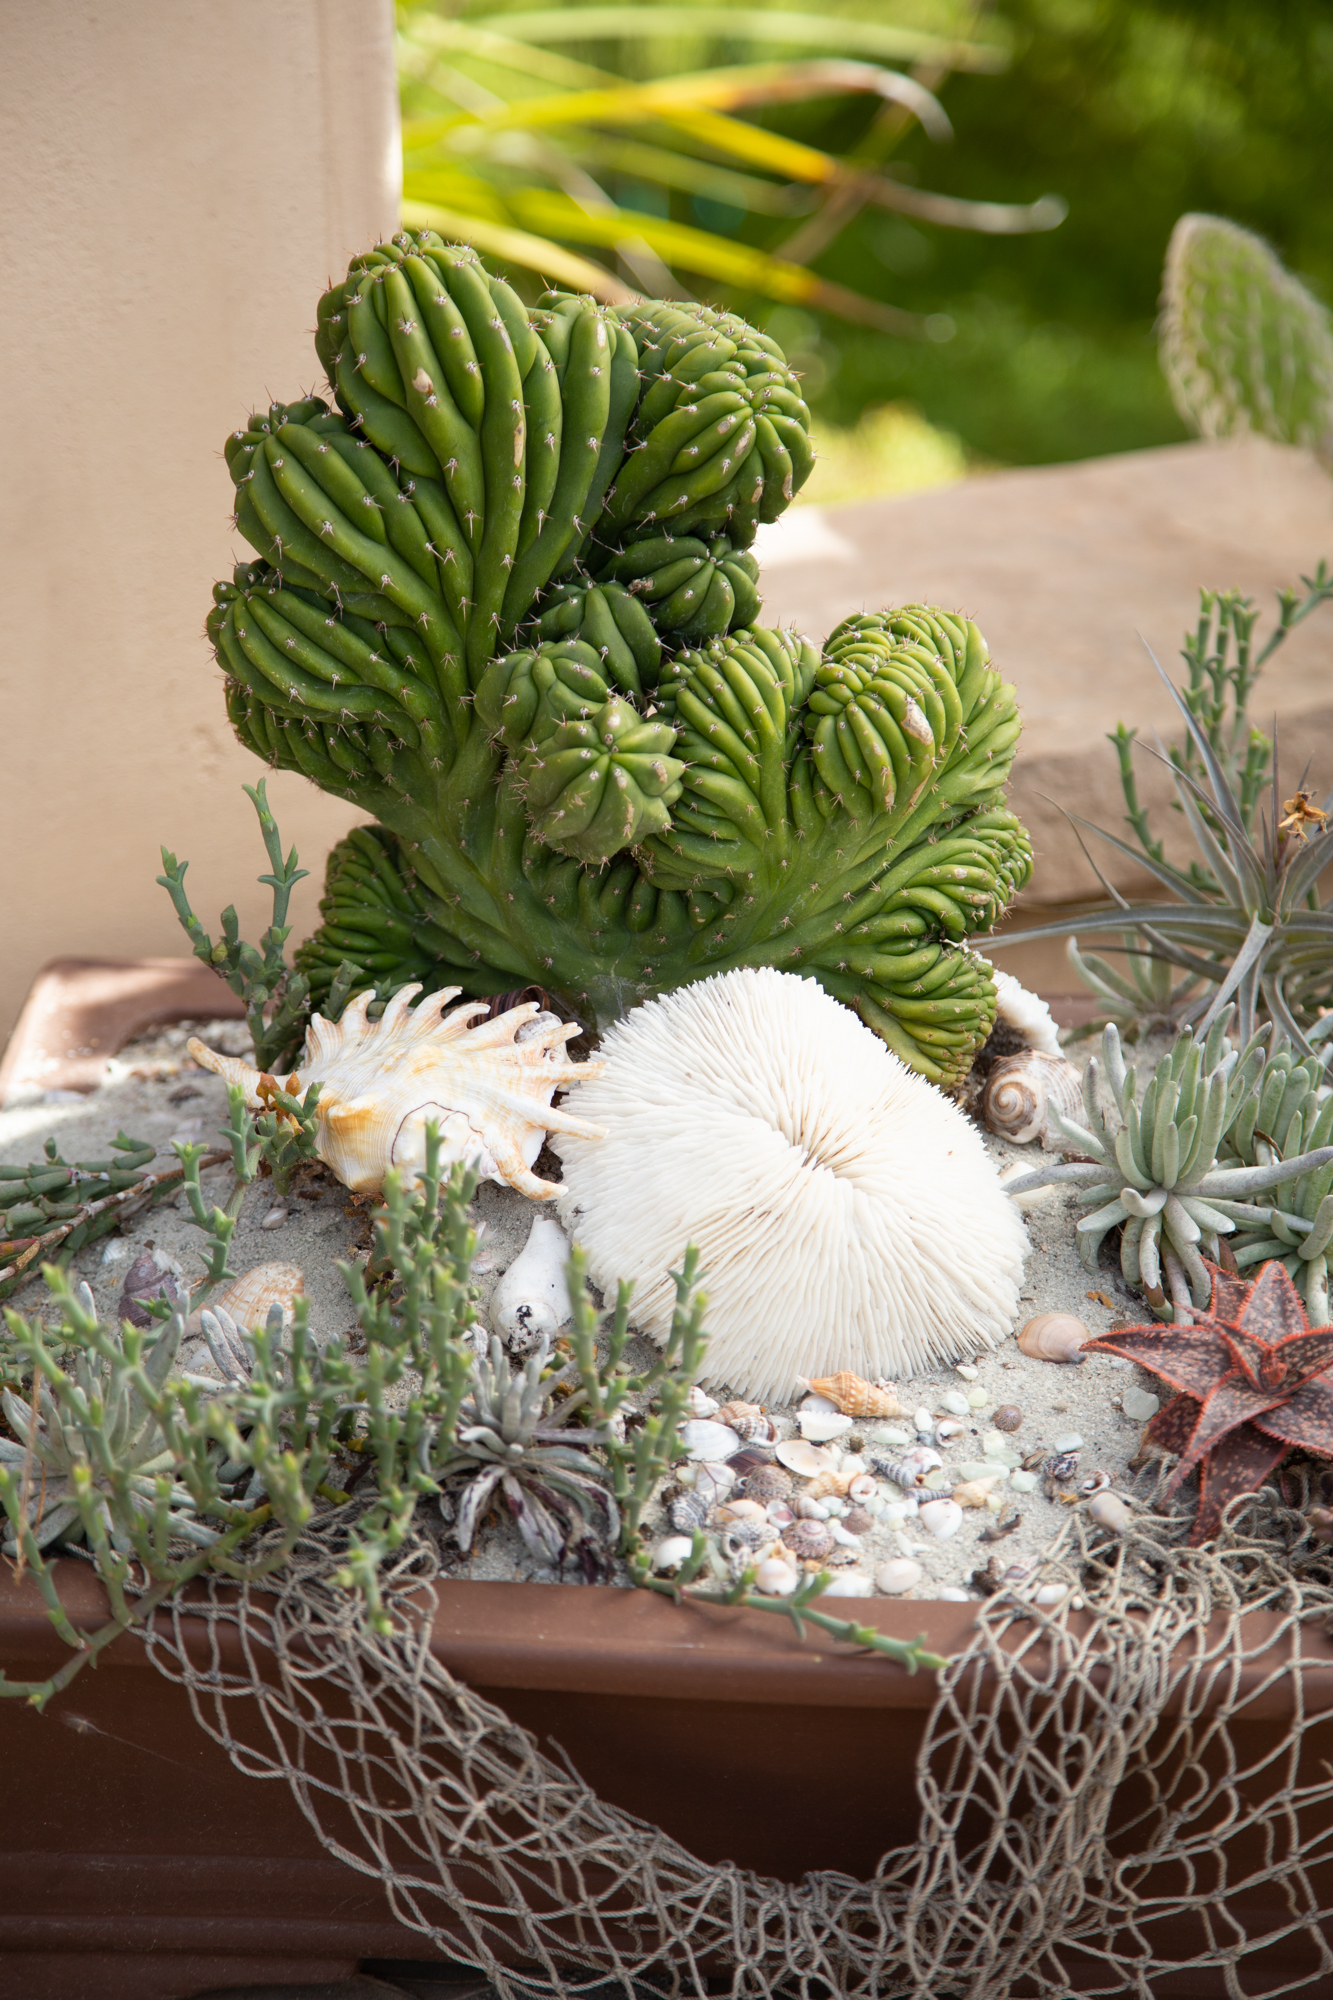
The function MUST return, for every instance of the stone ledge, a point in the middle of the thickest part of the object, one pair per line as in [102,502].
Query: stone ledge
[1063,566]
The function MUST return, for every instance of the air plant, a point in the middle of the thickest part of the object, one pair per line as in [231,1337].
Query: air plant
[1247,922]
[1155,1167]
[1252,1384]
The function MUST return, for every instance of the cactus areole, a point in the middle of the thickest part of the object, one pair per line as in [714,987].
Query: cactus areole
[504,602]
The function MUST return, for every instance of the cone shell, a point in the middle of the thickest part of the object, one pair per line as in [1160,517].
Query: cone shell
[249,1297]
[1053,1336]
[381,1082]
[1021,1094]
[854,1396]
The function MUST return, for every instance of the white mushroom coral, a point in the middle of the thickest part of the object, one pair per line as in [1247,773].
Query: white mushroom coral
[846,1212]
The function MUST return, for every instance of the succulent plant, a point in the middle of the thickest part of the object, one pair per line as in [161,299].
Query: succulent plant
[1288,1113]
[1244,345]
[1252,1383]
[1157,1167]
[504,602]
[1247,921]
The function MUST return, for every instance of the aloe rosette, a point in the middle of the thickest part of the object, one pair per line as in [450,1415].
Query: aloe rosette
[504,601]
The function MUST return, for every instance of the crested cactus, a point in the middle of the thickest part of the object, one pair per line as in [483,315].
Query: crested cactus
[504,601]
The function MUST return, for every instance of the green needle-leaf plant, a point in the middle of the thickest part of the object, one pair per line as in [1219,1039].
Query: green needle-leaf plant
[504,602]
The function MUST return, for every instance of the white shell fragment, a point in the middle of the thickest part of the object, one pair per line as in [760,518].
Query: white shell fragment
[531,1301]
[897,1575]
[941,1518]
[955,1402]
[381,1082]
[805,1460]
[846,1212]
[1025,1012]
[820,1428]
[851,1583]
[701,1438]
[672,1551]
[775,1578]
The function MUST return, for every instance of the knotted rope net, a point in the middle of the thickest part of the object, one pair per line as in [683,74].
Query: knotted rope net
[1096,1809]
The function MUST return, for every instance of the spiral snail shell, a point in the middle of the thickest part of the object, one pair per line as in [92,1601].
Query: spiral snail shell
[1021,1094]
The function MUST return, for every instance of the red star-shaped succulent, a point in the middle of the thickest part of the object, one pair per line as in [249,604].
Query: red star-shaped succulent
[1251,1382]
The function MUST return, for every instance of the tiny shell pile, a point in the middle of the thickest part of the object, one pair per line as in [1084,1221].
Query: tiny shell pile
[900,1490]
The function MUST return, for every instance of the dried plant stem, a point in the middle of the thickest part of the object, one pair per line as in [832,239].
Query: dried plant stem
[36,1250]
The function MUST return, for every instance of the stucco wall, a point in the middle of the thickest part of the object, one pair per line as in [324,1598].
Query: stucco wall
[180,180]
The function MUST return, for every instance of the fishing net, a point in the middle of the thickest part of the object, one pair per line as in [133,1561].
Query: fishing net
[1106,1806]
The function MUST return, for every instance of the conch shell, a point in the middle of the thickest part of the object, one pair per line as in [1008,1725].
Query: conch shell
[381,1082]
[1022,1093]
[854,1396]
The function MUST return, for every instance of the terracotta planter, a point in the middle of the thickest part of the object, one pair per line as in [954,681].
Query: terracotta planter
[137,1864]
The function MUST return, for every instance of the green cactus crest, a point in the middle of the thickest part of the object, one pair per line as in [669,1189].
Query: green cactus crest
[504,603]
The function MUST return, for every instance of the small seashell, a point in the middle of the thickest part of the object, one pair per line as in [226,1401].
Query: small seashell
[1096,1482]
[1108,1510]
[862,1488]
[748,1421]
[713,1482]
[955,1402]
[807,1508]
[1051,1593]
[923,1420]
[857,1521]
[805,1460]
[819,1403]
[809,1540]
[891,1434]
[672,1551]
[741,1539]
[952,1593]
[688,1511]
[767,1482]
[381,1082]
[897,1575]
[856,1397]
[749,1459]
[843,1535]
[941,1518]
[1053,1337]
[152,1275]
[1019,1572]
[249,1298]
[949,1427]
[818,1428]
[776,1578]
[1140,1404]
[1024,1482]
[854,1583]
[851,1465]
[779,1513]
[531,1302]
[826,1483]
[1008,1417]
[275,1217]
[1071,1441]
[737,1510]
[913,1466]
[967,1370]
[1023,1092]
[700,1437]
[977,1398]
[699,1403]
[975,1492]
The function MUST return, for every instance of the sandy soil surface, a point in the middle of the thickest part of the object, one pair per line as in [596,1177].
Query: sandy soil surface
[154,1091]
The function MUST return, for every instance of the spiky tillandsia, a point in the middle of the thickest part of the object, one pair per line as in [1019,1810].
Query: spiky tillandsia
[1248,922]
[843,816]
[1155,1171]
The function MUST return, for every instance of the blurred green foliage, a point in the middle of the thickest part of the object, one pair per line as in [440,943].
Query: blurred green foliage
[1133,111]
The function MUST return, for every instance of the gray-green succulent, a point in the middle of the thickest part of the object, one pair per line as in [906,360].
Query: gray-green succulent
[1160,1167]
